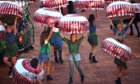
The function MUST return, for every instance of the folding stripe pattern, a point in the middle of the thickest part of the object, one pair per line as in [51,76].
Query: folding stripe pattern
[73,24]
[120,10]
[116,49]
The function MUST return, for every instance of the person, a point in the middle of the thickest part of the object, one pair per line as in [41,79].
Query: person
[120,30]
[120,36]
[70,8]
[11,50]
[115,22]
[44,55]
[2,41]
[56,42]
[121,66]
[74,59]
[135,22]
[92,37]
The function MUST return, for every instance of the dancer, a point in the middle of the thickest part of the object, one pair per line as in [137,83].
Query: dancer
[120,36]
[56,42]
[44,56]
[11,50]
[92,37]
[74,44]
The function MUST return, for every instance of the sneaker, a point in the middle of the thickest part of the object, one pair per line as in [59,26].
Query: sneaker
[49,77]
[11,76]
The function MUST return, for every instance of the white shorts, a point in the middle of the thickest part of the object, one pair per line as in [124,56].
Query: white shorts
[76,56]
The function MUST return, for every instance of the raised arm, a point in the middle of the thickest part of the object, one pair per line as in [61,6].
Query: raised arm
[131,21]
[0,22]
[62,35]
[50,34]
[96,16]
[15,26]
[111,23]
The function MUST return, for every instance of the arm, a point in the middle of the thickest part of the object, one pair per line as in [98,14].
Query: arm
[0,22]
[64,39]
[111,23]
[15,26]
[96,16]
[131,21]
[50,34]
[81,39]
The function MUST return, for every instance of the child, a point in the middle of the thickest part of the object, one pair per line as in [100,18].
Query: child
[120,30]
[92,37]
[11,45]
[56,42]
[120,36]
[74,44]
[44,56]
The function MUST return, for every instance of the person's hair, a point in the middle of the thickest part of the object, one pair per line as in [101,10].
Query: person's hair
[91,18]
[34,62]
[43,36]
[75,36]
[70,6]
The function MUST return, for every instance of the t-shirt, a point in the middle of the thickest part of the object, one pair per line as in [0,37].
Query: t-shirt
[73,46]
[45,48]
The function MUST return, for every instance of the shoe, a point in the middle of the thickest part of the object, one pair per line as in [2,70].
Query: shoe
[49,77]
[11,76]
[138,35]
[60,60]
[90,55]
[94,59]
[10,70]
[131,34]
[118,82]
[56,60]
[82,78]
[70,80]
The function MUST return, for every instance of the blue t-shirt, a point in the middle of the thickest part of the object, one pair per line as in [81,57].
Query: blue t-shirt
[116,31]
[92,28]
[10,38]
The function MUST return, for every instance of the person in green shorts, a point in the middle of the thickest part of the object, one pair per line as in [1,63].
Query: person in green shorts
[92,37]
[11,50]
[120,34]
[73,45]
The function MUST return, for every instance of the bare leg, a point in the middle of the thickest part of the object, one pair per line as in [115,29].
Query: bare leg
[5,59]
[14,59]
[48,67]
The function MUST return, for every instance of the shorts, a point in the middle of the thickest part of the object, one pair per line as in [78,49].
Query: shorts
[43,57]
[76,56]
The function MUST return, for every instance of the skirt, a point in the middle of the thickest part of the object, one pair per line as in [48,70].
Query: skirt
[11,50]
[93,38]
[118,62]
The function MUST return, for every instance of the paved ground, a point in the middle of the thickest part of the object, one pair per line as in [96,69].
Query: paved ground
[103,72]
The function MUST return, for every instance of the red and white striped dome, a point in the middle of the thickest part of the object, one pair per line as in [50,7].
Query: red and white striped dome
[10,8]
[91,4]
[73,24]
[137,7]
[23,73]
[2,33]
[47,16]
[117,49]
[110,1]
[120,10]
[54,3]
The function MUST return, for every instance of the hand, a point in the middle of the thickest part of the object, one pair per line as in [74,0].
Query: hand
[0,22]
[16,18]
[132,54]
